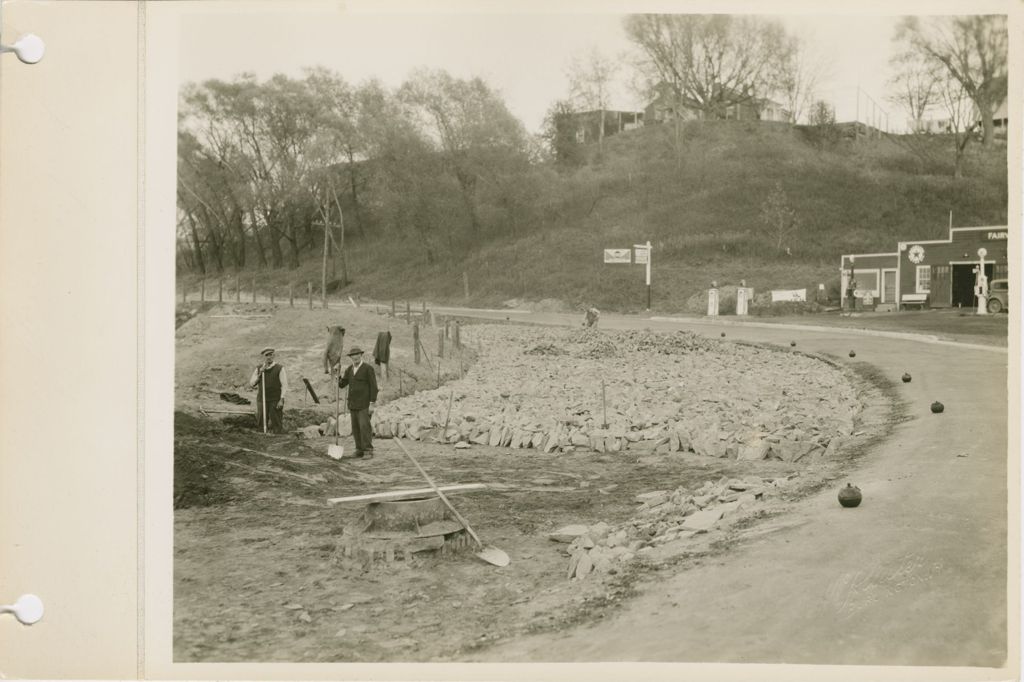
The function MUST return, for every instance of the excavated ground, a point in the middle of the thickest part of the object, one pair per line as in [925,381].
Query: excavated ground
[257,571]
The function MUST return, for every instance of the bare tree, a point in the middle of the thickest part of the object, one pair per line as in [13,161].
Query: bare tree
[915,86]
[972,50]
[471,125]
[800,71]
[960,108]
[779,216]
[713,61]
[591,78]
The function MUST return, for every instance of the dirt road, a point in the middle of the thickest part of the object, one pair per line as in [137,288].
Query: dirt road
[915,576]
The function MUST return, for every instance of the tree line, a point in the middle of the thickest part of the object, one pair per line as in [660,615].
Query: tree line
[272,170]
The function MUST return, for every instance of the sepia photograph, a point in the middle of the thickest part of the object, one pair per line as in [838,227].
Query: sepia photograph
[588,334]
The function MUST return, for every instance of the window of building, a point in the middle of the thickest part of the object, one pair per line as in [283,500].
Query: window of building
[923,283]
[867,280]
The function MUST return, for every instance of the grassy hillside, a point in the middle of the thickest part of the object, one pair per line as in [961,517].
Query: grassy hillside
[697,194]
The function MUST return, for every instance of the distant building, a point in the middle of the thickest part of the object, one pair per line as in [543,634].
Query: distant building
[930,273]
[931,125]
[1000,119]
[587,124]
[667,105]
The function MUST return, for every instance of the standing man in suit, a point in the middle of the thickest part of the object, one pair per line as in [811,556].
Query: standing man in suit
[362,394]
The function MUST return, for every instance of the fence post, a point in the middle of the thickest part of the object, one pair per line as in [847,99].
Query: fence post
[202,290]
[440,344]
[271,295]
[408,311]
[309,290]
[416,342]
[458,341]
[238,288]
[220,290]
[291,295]
[254,288]
[465,284]
[393,313]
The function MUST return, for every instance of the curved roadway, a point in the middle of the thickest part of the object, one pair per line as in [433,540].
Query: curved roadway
[915,576]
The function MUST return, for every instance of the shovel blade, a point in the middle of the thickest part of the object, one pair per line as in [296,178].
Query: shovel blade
[493,555]
[335,451]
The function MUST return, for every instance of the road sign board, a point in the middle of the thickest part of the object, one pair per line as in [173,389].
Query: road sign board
[617,256]
[642,256]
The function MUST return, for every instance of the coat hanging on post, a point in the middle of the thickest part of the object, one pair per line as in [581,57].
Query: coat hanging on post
[382,349]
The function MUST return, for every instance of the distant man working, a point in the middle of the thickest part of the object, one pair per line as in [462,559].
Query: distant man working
[362,394]
[271,383]
[592,316]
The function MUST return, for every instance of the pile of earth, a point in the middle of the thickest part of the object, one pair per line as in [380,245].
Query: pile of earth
[609,391]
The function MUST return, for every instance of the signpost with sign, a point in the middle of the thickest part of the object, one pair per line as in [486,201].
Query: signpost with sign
[643,255]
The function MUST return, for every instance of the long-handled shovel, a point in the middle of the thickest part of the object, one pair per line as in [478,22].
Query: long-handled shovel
[491,555]
[263,398]
[336,451]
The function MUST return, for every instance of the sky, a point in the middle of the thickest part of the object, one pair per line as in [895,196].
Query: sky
[524,56]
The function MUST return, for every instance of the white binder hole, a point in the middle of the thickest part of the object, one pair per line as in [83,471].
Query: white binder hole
[29,48]
[28,609]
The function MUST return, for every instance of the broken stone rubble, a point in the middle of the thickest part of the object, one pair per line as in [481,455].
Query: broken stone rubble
[676,515]
[666,393]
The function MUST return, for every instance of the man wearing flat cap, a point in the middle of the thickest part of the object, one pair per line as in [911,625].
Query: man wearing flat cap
[271,383]
[362,394]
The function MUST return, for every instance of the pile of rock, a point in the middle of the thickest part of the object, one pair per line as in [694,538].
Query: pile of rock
[665,392]
[331,427]
[665,516]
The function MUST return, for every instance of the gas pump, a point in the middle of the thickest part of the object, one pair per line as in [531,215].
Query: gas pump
[981,283]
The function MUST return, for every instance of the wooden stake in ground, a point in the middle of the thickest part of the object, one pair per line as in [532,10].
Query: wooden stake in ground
[604,407]
[447,416]
[220,290]
[238,288]
[254,288]
[416,343]
[309,291]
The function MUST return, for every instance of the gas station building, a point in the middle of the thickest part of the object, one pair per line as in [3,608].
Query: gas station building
[937,273]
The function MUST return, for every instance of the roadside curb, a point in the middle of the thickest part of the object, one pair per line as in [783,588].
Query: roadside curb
[906,336]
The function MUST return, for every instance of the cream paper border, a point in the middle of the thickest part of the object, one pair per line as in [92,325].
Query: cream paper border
[68,336]
[161,83]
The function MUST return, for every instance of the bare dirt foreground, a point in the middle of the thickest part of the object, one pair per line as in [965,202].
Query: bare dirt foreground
[257,572]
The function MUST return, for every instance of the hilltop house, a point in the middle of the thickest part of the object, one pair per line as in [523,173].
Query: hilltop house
[945,124]
[587,124]
[667,105]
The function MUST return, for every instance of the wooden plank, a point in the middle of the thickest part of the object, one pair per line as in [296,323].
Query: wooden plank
[407,494]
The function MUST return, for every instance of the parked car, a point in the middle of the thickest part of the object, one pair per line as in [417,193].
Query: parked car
[999,296]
